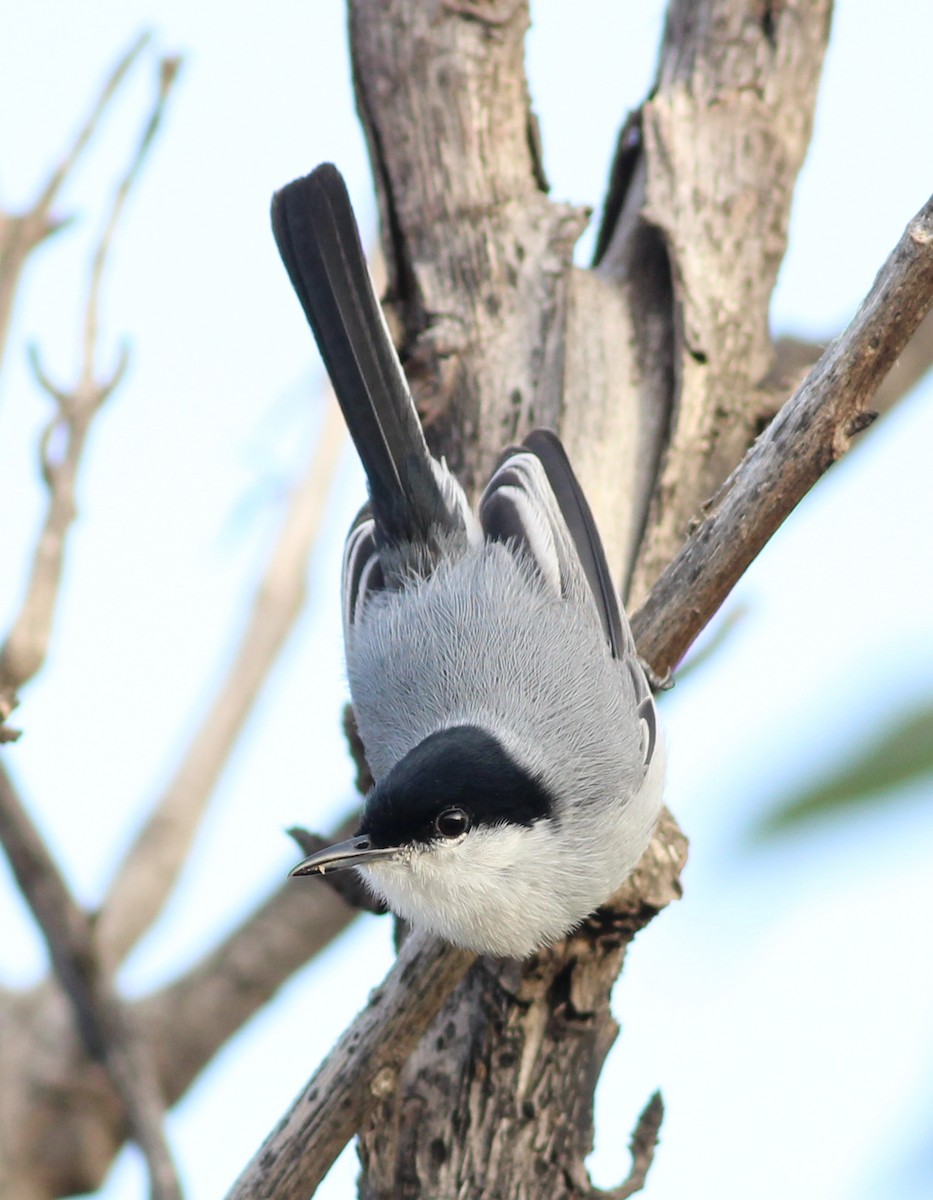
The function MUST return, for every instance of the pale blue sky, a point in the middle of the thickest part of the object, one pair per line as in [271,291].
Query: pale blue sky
[784,1006]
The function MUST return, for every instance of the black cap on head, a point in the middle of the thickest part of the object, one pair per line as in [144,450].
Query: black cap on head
[463,768]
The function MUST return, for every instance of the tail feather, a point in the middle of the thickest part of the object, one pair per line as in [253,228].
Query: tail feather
[319,242]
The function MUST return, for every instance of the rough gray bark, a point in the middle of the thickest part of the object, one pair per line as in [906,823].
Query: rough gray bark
[497,1100]
[703,182]
[365,1064]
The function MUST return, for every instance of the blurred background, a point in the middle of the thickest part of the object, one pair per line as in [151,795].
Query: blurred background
[785,1006]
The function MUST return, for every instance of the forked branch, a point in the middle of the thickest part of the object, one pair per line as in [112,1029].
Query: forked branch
[813,429]
[105,1025]
[21,233]
[63,441]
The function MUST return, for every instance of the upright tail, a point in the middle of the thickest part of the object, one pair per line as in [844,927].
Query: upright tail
[318,239]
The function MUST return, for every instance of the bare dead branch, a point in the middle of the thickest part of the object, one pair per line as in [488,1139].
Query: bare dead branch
[362,1067]
[105,1026]
[90,392]
[188,1020]
[63,1121]
[915,360]
[21,234]
[794,357]
[814,428]
[145,878]
[87,130]
[224,975]
[62,443]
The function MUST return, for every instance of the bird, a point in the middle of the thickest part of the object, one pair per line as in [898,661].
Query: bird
[506,718]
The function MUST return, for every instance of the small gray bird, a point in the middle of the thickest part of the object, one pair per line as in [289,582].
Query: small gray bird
[506,718]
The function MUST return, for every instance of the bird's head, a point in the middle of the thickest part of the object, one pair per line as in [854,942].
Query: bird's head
[457,838]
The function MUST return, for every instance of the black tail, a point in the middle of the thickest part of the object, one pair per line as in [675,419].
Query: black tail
[319,242]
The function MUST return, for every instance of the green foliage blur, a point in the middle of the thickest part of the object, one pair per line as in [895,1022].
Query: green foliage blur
[872,777]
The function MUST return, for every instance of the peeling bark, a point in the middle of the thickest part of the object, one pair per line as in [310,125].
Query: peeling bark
[712,171]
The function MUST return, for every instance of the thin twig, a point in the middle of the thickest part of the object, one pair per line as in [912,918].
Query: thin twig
[362,1067]
[814,428]
[103,1022]
[63,441]
[87,130]
[21,234]
[642,1146]
[146,876]
[188,1020]
[168,73]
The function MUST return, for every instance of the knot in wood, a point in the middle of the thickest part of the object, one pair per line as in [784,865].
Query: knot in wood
[384,1082]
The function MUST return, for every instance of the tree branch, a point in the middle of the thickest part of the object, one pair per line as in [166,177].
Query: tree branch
[724,134]
[146,877]
[187,1021]
[794,358]
[70,1137]
[20,235]
[486,371]
[814,428]
[643,1144]
[363,1067]
[104,1024]
[64,439]
[915,360]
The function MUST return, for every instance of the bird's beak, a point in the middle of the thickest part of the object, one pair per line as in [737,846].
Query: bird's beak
[354,852]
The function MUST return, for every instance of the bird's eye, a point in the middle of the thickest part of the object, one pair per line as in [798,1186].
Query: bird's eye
[452,822]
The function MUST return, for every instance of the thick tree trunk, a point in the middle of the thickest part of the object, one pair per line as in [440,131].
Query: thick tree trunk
[651,367]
